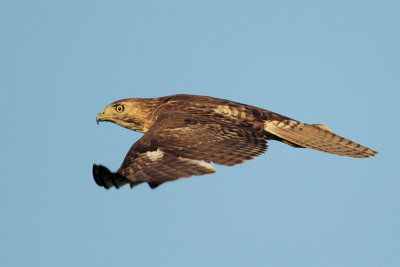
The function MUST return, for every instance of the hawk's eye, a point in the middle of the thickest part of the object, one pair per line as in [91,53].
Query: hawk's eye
[119,108]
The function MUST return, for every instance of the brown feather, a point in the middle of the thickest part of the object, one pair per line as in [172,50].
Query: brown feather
[185,133]
[317,138]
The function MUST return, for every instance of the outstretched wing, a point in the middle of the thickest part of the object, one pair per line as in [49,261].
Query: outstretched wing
[317,137]
[180,145]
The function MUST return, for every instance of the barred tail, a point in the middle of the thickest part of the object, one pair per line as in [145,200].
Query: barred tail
[317,137]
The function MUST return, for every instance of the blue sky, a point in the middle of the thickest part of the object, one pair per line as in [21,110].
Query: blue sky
[330,62]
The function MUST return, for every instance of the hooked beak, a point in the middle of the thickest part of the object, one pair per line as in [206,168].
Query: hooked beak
[100,117]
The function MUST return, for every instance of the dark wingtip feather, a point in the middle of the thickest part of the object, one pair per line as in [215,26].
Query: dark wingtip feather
[154,185]
[104,178]
[100,174]
[96,175]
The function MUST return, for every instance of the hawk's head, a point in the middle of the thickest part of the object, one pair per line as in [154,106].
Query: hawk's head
[132,113]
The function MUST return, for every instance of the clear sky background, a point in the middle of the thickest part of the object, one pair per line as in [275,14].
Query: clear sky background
[330,62]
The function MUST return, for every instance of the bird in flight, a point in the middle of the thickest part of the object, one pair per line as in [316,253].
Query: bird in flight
[184,134]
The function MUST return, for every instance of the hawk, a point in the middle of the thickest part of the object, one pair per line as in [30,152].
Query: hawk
[184,134]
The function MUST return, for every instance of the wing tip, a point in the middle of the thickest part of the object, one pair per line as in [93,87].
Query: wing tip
[98,172]
[105,178]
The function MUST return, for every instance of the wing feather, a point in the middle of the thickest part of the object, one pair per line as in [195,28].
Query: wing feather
[181,145]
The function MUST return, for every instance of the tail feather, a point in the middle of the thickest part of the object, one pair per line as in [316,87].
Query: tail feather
[317,137]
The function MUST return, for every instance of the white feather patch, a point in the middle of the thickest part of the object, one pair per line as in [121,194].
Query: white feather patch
[200,163]
[226,110]
[288,124]
[155,155]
